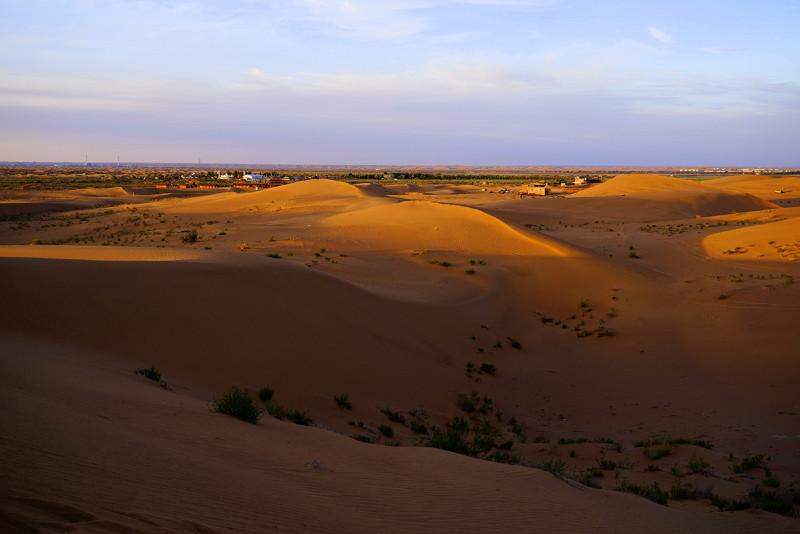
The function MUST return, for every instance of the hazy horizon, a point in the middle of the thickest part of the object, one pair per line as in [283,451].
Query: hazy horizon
[422,82]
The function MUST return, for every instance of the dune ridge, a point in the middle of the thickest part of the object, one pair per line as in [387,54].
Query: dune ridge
[415,225]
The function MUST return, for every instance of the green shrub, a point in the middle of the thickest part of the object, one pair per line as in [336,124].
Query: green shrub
[556,466]
[386,430]
[417,427]
[488,368]
[728,505]
[652,492]
[266,394]
[363,438]
[698,465]
[237,403]
[295,416]
[190,236]
[514,343]
[748,463]
[150,373]
[274,255]
[394,417]
[470,271]
[502,457]
[343,401]
[453,438]
[682,492]
[606,464]
[657,452]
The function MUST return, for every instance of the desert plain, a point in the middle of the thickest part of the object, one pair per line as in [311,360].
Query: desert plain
[427,358]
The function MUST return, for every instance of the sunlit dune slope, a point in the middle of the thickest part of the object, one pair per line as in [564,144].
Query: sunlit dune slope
[778,241]
[424,225]
[308,194]
[667,198]
[768,187]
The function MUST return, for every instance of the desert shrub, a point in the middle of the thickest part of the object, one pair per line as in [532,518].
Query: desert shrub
[288,414]
[657,452]
[770,481]
[453,437]
[274,255]
[748,463]
[363,438]
[676,441]
[418,427]
[652,492]
[190,236]
[502,457]
[514,343]
[515,426]
[470,271]
[266,394]
[394,417]
[150,373]
[386,430]
[488,368]
[607,465]
[467,403]
[486,436]
[682,492]
[697,465]
[728,505]
[343,401]
[772,501]
[237,403]
[556,466]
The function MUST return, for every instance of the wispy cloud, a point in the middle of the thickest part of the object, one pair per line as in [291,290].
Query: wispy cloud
[659,35]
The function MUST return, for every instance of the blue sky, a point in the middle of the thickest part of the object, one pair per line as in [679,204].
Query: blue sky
[485,82]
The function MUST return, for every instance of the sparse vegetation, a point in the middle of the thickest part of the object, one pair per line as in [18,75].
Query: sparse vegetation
[238,403]
[266,394]
[343,401]
[150,373]
[386,430]
[394,417]
[652,492]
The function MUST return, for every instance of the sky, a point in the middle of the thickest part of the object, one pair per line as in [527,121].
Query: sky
[469,82]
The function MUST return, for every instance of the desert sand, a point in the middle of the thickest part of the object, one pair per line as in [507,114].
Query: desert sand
[646,308]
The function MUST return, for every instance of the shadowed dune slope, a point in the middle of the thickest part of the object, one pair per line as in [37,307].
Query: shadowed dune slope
[668,198]
[778,241]
[92,253]
[112,452]
[317,194]
[422,225]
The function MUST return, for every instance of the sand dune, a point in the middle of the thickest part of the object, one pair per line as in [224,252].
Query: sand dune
[767,187]
[305,195]
[92,253]
[662,197]
[778,241]
[112,452]
[420,225]
[91,446]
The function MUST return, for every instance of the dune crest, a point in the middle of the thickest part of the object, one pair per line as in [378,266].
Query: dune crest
[319,194]
[414,225]
[664,197]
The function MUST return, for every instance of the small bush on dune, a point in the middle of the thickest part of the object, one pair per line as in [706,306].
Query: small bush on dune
[453,438]
[394,417]
[386,430]
[343,401]
[265,394]
[295,416]
[150,373]
[652,492]
[237,403]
